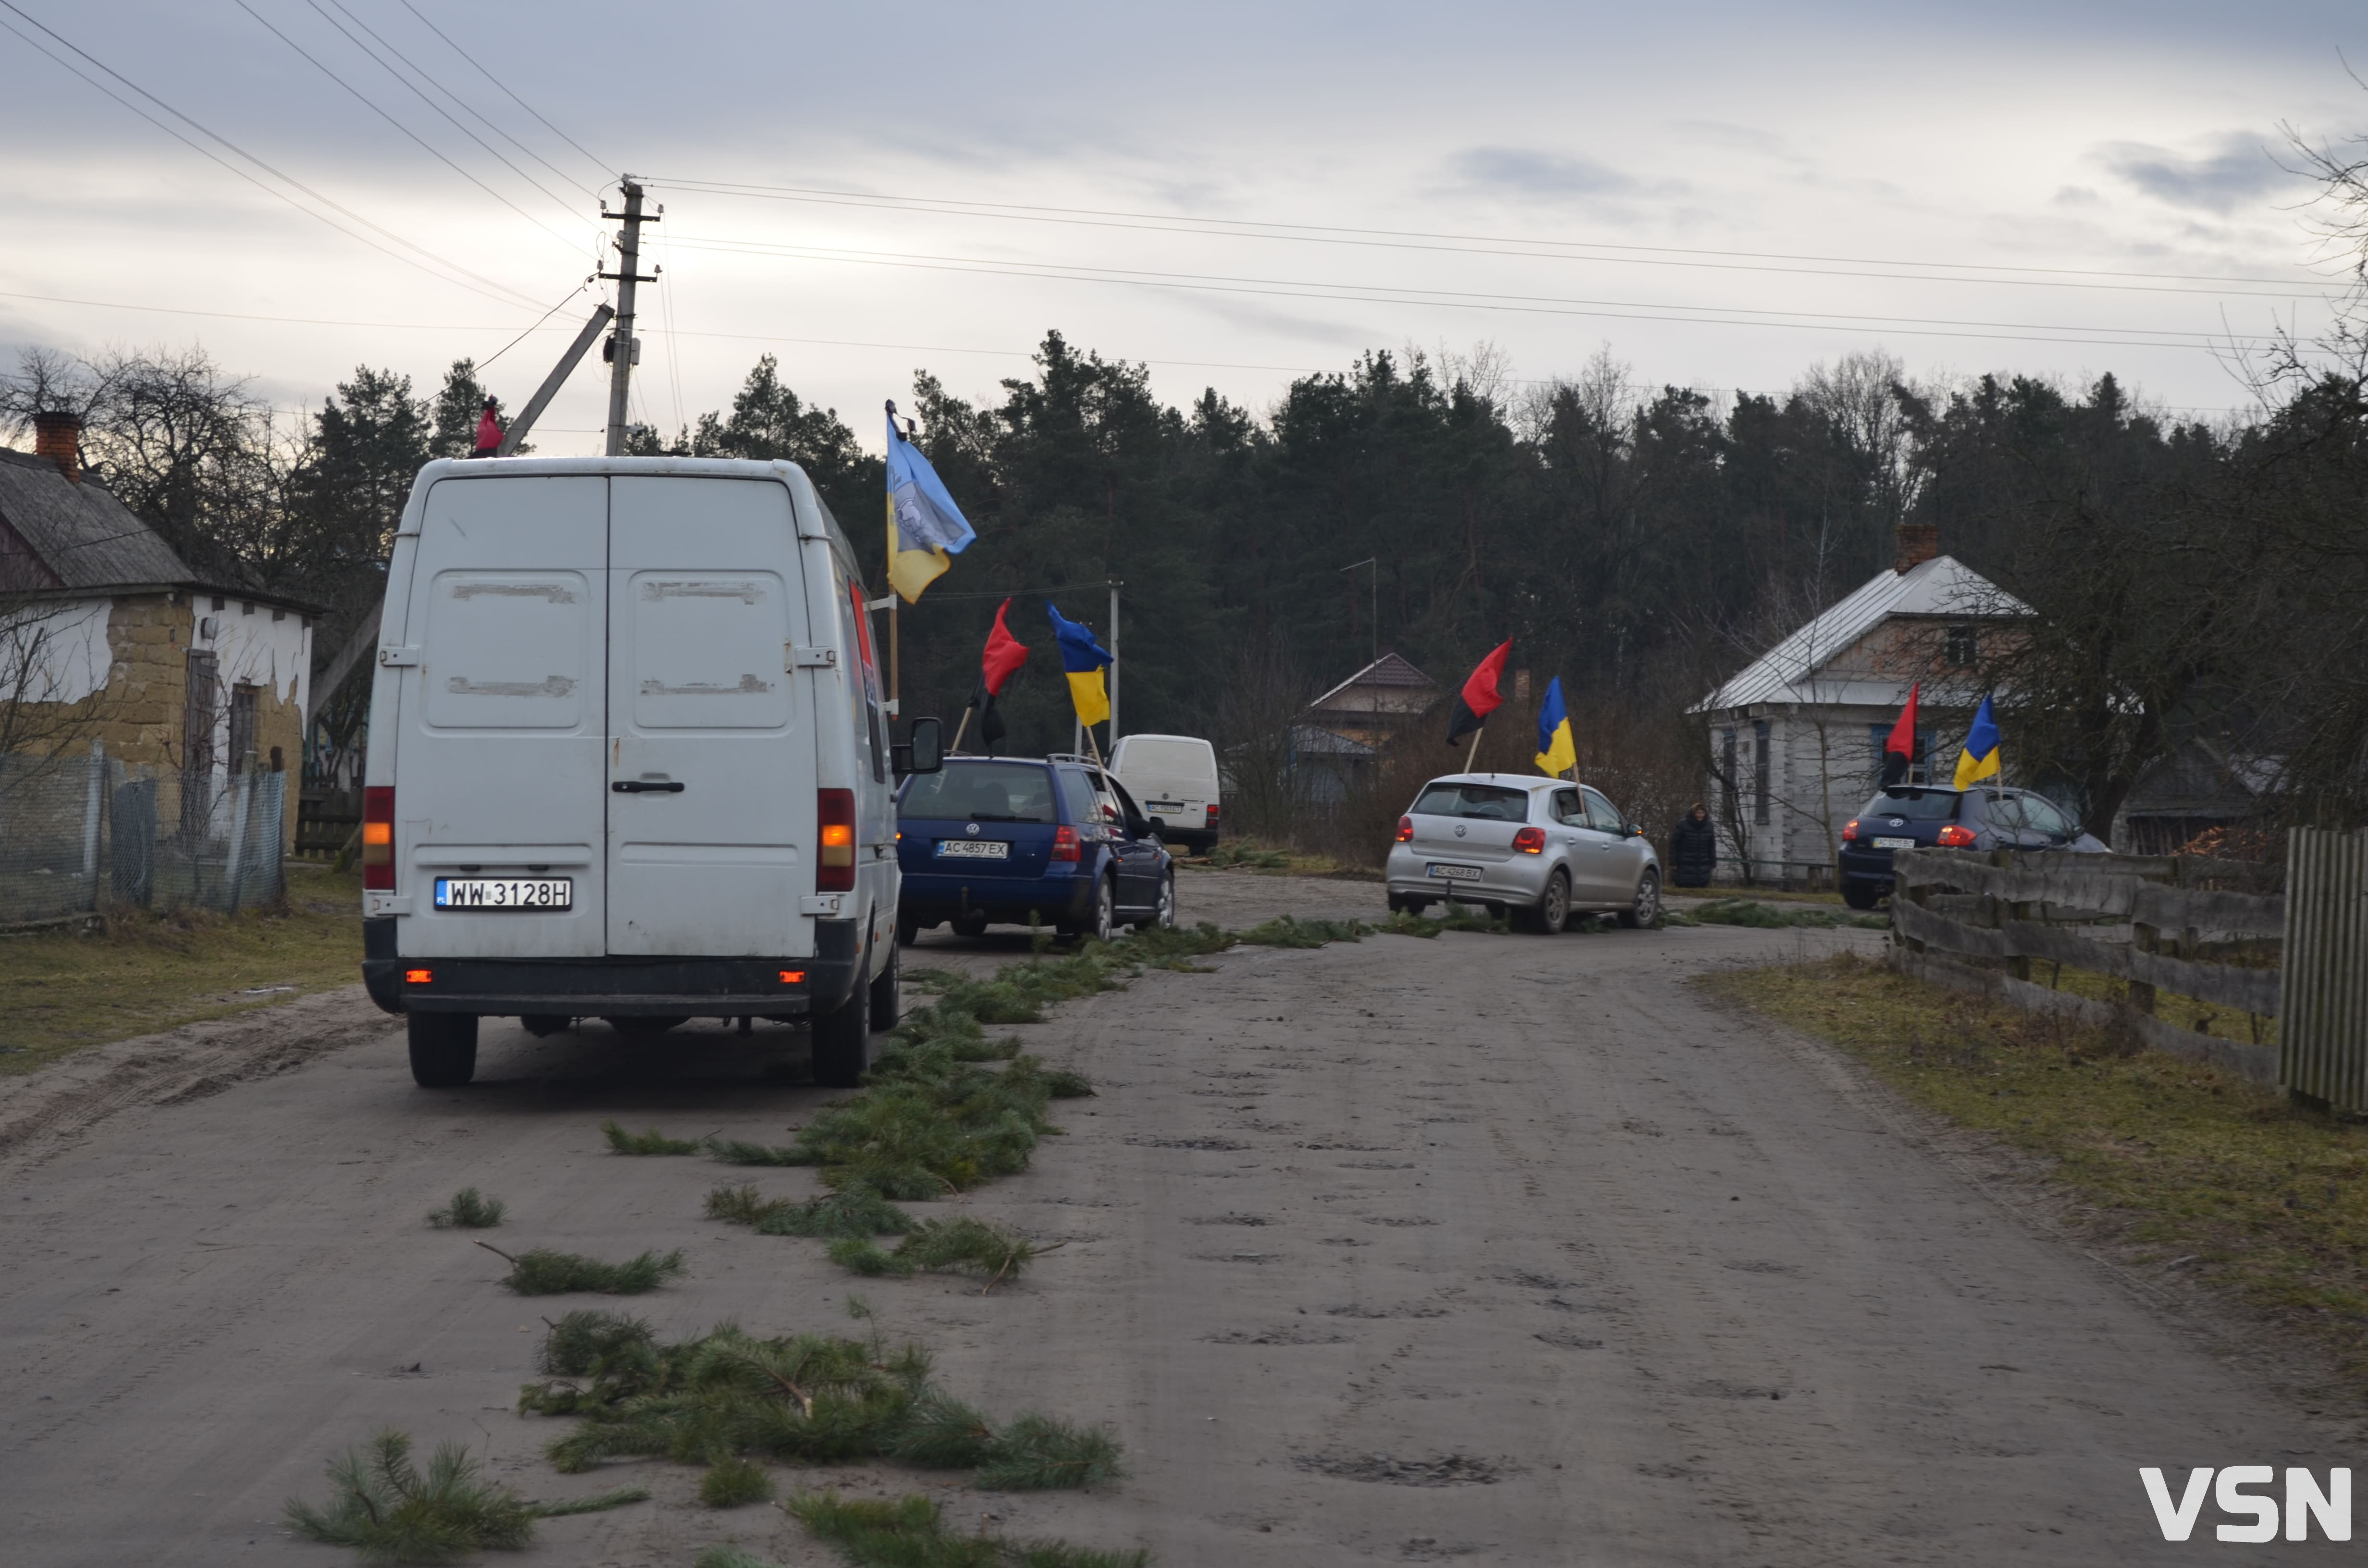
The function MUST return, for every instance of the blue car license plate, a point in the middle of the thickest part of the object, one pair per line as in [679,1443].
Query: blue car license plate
[972,849]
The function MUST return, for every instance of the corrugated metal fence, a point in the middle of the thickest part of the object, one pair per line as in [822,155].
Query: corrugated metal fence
[84,833]
[2324,1031]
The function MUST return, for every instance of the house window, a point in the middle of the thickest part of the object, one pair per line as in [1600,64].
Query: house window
[1961,647]
[1877,735]
[241,727]
[1726,775]
[1759,771]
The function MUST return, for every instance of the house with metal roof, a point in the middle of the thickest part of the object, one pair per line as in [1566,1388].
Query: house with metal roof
[1796,737]
[1376,702]
[115,649]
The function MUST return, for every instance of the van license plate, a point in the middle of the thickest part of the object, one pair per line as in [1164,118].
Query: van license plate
[1458,873]
[973,849]
[539,893]
[1895,844]
[1163,805]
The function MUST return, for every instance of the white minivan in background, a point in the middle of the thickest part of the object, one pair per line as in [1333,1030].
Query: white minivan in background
[628,760]
[1174,779]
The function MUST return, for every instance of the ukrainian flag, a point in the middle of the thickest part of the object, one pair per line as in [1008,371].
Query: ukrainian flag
[1557,750]
[925,529]
[1083,659]
[1981,754]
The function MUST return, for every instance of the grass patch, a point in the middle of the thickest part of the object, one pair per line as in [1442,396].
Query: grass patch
[650,1142]
[1248,854]
[1750,912]
[858,1213]
[2264,1198]
[958,1246]
[382,1506]
[469,1210]
[1287,931]
[1455,917]
[910,1532]
[735,1482]
[543,1272]
[808,1399]
[62,990]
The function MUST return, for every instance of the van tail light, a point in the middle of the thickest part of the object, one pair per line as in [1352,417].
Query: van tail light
[835,871]
[1064,843]
[1531,841]
[1212,819]
[1405,830]
[1956,835]
[1849,831]
[378,839]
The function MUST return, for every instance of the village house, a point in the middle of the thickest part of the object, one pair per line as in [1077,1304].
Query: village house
[1796,738]
[123,666]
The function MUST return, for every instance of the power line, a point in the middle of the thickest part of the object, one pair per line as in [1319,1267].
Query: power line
[492,290]
[600,163]
[546,316]
[560,201]
[431,148]
[1472,300]
[1482,245]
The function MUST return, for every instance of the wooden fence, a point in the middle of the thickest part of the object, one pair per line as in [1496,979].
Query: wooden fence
[2324,1023]
[2166,925]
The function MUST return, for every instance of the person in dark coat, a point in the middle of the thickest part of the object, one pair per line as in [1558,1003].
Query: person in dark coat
[1694,850]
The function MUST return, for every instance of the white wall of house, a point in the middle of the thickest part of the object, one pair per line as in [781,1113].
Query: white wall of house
[55,650]
[1823,761]
[253,645]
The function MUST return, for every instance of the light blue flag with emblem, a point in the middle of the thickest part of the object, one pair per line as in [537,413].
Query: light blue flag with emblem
[925,529]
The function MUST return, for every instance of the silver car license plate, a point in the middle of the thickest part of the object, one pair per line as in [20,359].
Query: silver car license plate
[1457,873]
[1895,844]
[973,849]
[539,894]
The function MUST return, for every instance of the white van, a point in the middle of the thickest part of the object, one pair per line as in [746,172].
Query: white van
[628,760]
[1174,779]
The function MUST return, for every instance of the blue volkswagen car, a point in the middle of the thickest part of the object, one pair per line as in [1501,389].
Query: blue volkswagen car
[1024,840]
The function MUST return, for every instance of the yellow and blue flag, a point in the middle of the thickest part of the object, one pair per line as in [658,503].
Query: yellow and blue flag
[1557,750]
[925,529]
[1083,659]
[1981,754]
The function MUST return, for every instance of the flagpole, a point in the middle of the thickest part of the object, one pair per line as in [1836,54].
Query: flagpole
[889,562]
[1474,752]
[960,729]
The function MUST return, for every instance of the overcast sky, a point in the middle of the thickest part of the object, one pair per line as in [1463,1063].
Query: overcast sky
[1235,194]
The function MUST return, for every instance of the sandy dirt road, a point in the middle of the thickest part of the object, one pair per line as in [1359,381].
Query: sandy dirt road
[1485,1250]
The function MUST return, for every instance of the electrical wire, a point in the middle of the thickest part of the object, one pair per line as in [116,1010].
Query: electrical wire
[1482,245]
[665,309]
[600,163]
[500,292]
[561,202]
[429,147]
[1628,310]
[546,316]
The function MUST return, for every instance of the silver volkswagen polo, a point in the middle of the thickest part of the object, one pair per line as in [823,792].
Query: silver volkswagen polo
[1542,848]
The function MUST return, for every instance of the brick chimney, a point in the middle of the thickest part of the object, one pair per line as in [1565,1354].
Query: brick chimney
[58,437]
[1918,542]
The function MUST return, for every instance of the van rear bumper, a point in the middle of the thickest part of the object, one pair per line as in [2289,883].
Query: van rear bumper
[613,986]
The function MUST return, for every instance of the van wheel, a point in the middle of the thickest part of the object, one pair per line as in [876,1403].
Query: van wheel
[887,1002]
[1552,912]
[443,1049]
[842,1042]
[1647,908]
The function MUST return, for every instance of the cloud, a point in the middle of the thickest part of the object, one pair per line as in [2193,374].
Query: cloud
[1524,171]
[2235,171]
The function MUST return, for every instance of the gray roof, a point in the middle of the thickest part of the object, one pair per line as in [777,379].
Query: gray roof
[86,537]
[1389,670]
[1793,670]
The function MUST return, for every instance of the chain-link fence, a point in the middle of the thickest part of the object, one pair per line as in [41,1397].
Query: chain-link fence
[88,832]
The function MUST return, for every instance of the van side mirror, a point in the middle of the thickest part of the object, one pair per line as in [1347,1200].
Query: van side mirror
[922,750]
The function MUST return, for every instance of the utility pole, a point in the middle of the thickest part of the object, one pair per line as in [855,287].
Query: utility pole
[621,344]
[1114,587]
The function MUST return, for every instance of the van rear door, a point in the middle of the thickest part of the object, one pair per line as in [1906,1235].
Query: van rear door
[711,775]
[500,767]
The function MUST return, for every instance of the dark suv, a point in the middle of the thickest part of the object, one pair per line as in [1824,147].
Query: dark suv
[1024,840]
[1927,816]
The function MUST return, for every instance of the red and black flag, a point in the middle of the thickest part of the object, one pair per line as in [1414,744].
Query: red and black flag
[1481,695]
[1005,654]
[1899,751]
